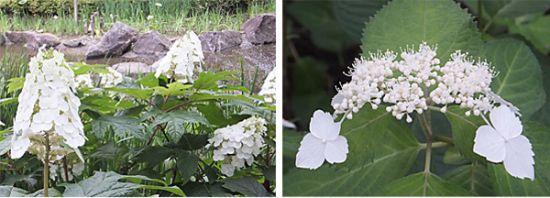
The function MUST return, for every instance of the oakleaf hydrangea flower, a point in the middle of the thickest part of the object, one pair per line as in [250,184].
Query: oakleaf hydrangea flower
[183,60]
[269,88]
[238,144]
[501,141]
[323,143]
[48,109]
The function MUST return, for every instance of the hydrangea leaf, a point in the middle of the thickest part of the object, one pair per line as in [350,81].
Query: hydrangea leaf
[122,126]
[519,78]
[464,130]
[102,184]
[10,191]
[352,15]
[473,177]
[188,164]
[418,185]
[536,32]
[369,166]
[404,23]
[506,185]
[247,186]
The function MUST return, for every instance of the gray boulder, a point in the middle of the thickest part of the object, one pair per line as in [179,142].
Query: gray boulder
[32,40]
[260,29]
[115,42]
[220,41]
[152,44]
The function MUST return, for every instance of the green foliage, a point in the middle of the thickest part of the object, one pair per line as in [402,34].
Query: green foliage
[418,185]
[247,186]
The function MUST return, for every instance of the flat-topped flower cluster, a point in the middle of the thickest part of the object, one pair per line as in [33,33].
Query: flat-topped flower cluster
[411,83]
[238,144]
[47,113]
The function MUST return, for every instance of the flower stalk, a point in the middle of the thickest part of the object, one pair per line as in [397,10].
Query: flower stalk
[46,163]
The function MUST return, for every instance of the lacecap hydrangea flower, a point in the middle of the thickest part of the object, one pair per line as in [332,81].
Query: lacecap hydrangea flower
[48,109]
[401,83]
[269,88]
[411,82]
[323,143]
[184,58]
[238,144]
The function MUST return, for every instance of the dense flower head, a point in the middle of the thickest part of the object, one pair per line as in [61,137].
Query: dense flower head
[404,83]
[109,78]
[184,58]
[269,88]
[238,144]
[48,108]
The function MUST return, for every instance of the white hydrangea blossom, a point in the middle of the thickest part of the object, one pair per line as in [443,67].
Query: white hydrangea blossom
[57,171]
[47,108]
[183,60]
[111,79]
[403,85]
[238,144]
[84,81]
[269,88]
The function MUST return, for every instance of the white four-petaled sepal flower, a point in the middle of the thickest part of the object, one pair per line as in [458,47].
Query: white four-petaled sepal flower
[323,143]
[503,142]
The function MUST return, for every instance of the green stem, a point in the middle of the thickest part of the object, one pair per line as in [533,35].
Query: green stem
[425,121]
[46,165]
[434,145]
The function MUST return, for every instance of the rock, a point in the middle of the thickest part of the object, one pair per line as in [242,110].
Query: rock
[260,29]
[133,68]
[220,41]
[32,40]
[114,43]
[74,43]
[152,44]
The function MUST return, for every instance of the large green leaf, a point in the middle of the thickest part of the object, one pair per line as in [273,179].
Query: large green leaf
[10,191]
[102,184]
[421,184]
[175,121]
[381,149]
[463,130]
[247,186]
[188,164]
[519,78]
[473,177]
[122,126]
[352,14]
[404,23]
[536,32]
[506,185]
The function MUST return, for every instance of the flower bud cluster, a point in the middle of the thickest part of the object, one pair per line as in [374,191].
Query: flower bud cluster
[238,144]
[405,85]
[184,58]
[47,113]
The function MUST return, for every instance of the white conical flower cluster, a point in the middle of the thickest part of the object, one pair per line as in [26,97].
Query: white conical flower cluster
[269,88]
[47,108]
[238,144]
[183,60]
[404,85]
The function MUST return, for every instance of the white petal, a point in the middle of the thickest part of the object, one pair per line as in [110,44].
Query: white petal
[19,147]
[337,99]
[488,143]
[506,122]
[519,158]
[322,125]
[336,151]
[311,153]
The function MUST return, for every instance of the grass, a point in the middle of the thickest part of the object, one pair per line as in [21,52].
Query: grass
[11,65]
[171,17]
